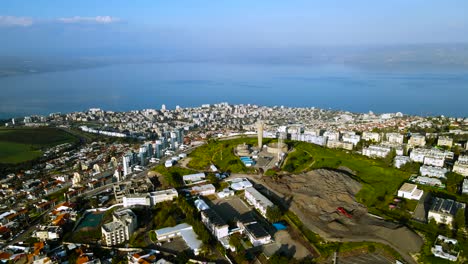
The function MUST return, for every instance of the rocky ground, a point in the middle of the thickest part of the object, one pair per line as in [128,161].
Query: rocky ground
[315,196]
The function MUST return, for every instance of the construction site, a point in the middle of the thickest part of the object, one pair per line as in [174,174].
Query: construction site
[324,200]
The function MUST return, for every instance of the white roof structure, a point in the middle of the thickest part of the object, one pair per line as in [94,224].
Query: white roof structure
[410,191]
[193,178]
[183,230]
[239,184]
[427,181]
[259,197]
[204,189]
[465,186]
[201,205]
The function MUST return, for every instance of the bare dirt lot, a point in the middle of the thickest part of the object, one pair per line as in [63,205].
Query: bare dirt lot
[315,196]
[283,239]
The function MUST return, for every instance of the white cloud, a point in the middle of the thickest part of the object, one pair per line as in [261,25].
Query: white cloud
[97,19]
[16,21]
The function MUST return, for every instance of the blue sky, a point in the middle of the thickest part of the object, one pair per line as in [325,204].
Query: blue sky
[94,26]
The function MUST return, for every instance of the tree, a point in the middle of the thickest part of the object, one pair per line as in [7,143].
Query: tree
[389,158]
[460,219]
[236,241]
[274,214]
[453,181]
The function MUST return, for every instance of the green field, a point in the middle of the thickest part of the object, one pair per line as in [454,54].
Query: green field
[221,154]
[172,177]
[15,152]
[379,181]
[22,144]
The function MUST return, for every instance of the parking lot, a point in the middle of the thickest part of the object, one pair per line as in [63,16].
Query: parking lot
[231,208]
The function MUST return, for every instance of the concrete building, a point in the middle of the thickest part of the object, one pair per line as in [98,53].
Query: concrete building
[260,134]
[433,157]
[191,179]
[461,166]
[256,233]
[443,211]
[239,184]
[428,181]
[204,190]
[376,151]
[410,191]
[314,139]
[163,196]
[399,161]
[465,186]
[332,135]
[120,229]
[130,200]
[44,233]
[417,140]
[349,138]
[127,162]
[149,199]
[394,138]
[432,171]
[182,230]
[445,141]
[434,161]
[217,226]
[339,144]
[371,136]
[256,199]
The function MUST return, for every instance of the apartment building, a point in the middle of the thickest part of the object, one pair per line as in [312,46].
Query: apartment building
[256,199]
[120,229]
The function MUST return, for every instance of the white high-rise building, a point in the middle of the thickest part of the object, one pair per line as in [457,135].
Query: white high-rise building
[127,163]
[120,229]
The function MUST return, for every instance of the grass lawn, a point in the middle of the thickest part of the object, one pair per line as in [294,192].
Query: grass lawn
[172,177]
[23,144]
[379,181]
[152,236]
[221,154]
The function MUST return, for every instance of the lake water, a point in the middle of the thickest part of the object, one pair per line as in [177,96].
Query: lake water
[140,86]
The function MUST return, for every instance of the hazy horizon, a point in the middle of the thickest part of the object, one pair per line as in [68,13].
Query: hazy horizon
[55,42]
[90,28]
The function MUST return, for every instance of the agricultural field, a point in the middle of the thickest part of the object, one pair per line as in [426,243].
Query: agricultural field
[379,181]
[22,144]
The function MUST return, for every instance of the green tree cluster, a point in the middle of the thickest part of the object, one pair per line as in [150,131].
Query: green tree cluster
[274,214]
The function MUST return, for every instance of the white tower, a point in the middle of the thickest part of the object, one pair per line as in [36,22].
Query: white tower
[126,165]
[163,107]
[260,133]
